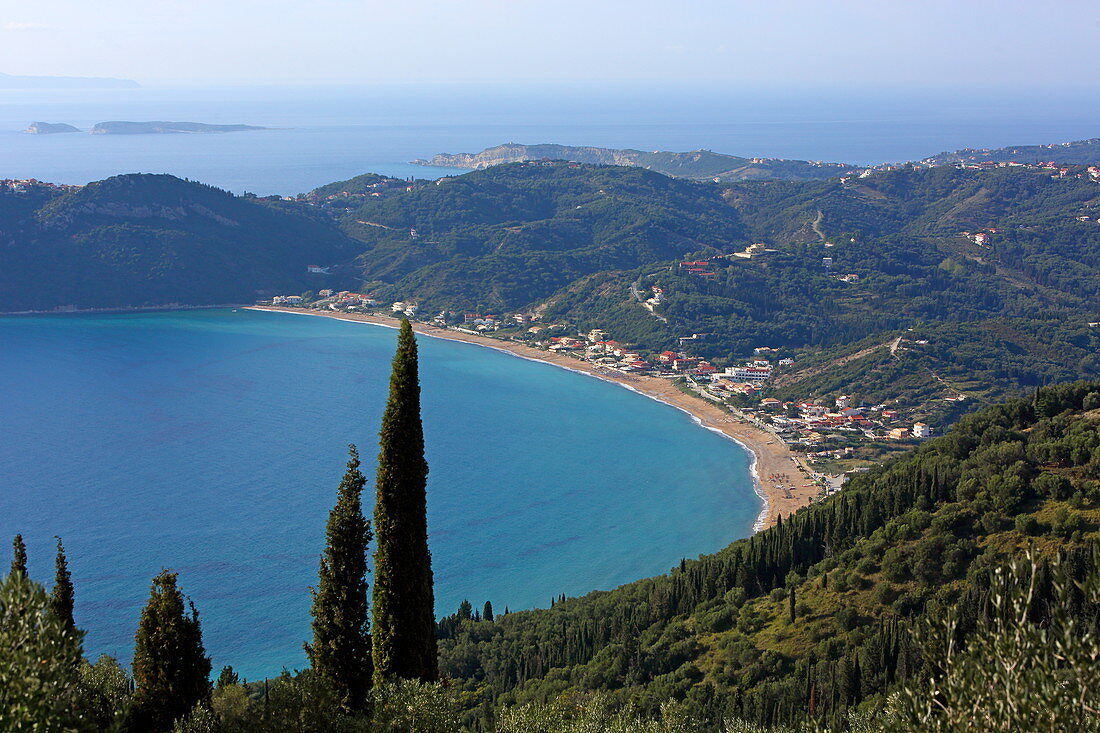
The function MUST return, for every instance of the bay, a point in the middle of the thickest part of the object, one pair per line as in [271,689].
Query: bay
[212,441]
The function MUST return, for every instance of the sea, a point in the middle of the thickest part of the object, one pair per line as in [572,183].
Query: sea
[320,134]
[212,442]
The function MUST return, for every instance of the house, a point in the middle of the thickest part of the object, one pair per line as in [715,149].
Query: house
[667,357]
[317,269]
[897,434]
[770,403]
[326,293]
[411,309]
[293,300]
[921,430]
[749,373]
[843,401]
[398,306]
[684,363]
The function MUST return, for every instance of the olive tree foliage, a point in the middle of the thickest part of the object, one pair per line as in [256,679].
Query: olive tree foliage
[104,689]
[39,658]
[1029,665]
[414,706]
[592,713]
[1025,668]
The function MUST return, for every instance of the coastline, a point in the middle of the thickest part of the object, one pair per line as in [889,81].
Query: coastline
[770,456]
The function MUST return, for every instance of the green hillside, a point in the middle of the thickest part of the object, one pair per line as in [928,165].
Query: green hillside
[579,243]
[148,240]
[818,613]
[512,235]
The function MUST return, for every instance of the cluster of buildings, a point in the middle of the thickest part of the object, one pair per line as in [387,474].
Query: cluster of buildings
[26,185]
[812,423]
[373,190]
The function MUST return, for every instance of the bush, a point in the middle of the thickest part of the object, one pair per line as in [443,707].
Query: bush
[1027,525]
[39,659]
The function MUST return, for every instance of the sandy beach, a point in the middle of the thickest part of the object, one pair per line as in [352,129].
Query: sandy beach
[772,457]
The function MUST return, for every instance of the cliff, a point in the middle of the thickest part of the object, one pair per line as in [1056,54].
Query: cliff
[49,128]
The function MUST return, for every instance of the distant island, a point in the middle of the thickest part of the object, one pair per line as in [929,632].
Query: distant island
[695,165]
[9,81]
[163,128]
[50,128]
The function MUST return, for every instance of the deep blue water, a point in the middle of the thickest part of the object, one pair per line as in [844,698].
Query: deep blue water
[212,442]
[331,133]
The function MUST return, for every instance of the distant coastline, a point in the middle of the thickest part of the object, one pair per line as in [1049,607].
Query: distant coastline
[769,456]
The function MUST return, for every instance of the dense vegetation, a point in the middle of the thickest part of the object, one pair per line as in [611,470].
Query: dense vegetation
[999,317]
[815,617]
[151,240]
[510,236]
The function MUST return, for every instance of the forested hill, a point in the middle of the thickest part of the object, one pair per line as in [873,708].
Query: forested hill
[1079,152]
[697,164]
[579,242]
[512,235]
[151,240]
[815,616]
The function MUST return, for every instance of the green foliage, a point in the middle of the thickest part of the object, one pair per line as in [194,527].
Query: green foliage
[149,240]
[341,648]
[39,655]
[104,691]
[591,714]
[19,556]
[413,705]
[404,642]
[1032,664]
[62,595]
[171,669]
[718,633]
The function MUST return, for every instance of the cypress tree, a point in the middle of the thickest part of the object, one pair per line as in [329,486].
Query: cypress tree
[19,556]
[341,648]
[404,642]
[792,604]
[487,613]
[171,669]
[63,594]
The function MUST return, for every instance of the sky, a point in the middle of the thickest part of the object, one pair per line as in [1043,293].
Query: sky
[815,43]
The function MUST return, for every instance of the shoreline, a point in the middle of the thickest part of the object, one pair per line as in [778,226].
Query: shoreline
[770,457]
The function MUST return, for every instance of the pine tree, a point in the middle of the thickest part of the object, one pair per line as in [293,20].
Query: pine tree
[341,648]
[63,594]
[19,556]
[171,669]
[404,641]
[487,614]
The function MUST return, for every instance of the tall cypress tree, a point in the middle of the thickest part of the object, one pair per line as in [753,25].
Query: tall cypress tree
[63,595]
[341,648]
[19,556]
[404,643]
[171,669]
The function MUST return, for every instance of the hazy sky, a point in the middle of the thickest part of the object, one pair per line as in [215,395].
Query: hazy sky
[827,42]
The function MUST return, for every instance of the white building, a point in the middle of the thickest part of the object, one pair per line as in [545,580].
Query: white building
[920,430]
[398,306]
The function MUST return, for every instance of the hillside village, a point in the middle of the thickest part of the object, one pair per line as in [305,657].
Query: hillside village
[829,431]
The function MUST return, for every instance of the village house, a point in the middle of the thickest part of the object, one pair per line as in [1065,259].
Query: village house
[921,430]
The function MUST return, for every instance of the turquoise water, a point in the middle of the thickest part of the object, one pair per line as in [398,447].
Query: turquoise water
[212,442]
